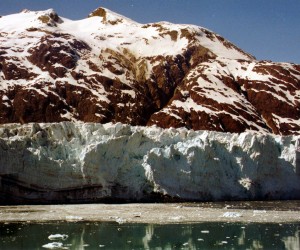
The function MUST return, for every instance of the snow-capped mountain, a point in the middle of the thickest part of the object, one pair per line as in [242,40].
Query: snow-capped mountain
[108,68]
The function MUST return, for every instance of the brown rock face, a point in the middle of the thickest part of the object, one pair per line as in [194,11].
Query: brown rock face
[111,69]
[215,99]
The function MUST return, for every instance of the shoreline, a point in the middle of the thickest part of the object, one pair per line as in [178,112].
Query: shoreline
[156,213]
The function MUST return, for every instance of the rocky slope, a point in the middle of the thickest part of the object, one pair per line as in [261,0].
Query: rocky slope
[90,162]
[108,68]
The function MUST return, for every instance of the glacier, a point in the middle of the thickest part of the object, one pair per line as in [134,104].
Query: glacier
[89,162]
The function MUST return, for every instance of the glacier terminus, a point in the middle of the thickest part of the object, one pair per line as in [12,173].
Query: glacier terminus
[89,162]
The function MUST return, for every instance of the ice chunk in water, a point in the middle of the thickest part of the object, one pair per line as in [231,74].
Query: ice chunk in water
[231,215]
[54,245]
[75,218]
[58,237]
[120,220]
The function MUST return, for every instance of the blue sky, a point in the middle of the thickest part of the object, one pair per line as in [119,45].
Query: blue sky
[268,29]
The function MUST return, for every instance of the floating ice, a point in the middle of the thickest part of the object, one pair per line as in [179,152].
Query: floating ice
[257,212]
[120,220]
[177,217]
[232,215]
[72,217]
[54,245]
[222,243]
[58,237]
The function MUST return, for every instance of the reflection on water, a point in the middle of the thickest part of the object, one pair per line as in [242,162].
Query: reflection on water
[149,236]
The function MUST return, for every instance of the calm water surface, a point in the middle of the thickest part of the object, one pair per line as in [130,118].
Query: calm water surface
[149,236]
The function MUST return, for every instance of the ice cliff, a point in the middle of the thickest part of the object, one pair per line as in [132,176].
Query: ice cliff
[89,162]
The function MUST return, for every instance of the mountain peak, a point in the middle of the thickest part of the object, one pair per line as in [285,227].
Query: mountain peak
[50,17]
[101,12]
[49,12]
[108,16]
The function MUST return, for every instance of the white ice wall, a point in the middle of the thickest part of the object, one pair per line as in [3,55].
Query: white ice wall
[89,162]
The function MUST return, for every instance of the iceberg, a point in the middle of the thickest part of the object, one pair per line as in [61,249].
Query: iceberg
[90,162]
[54,245]
[231,215]
[58,237]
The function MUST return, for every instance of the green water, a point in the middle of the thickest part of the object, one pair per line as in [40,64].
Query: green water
[149,236]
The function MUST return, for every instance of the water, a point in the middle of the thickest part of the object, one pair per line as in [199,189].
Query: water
[149,236]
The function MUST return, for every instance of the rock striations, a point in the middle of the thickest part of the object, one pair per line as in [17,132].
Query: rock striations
[108,68]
